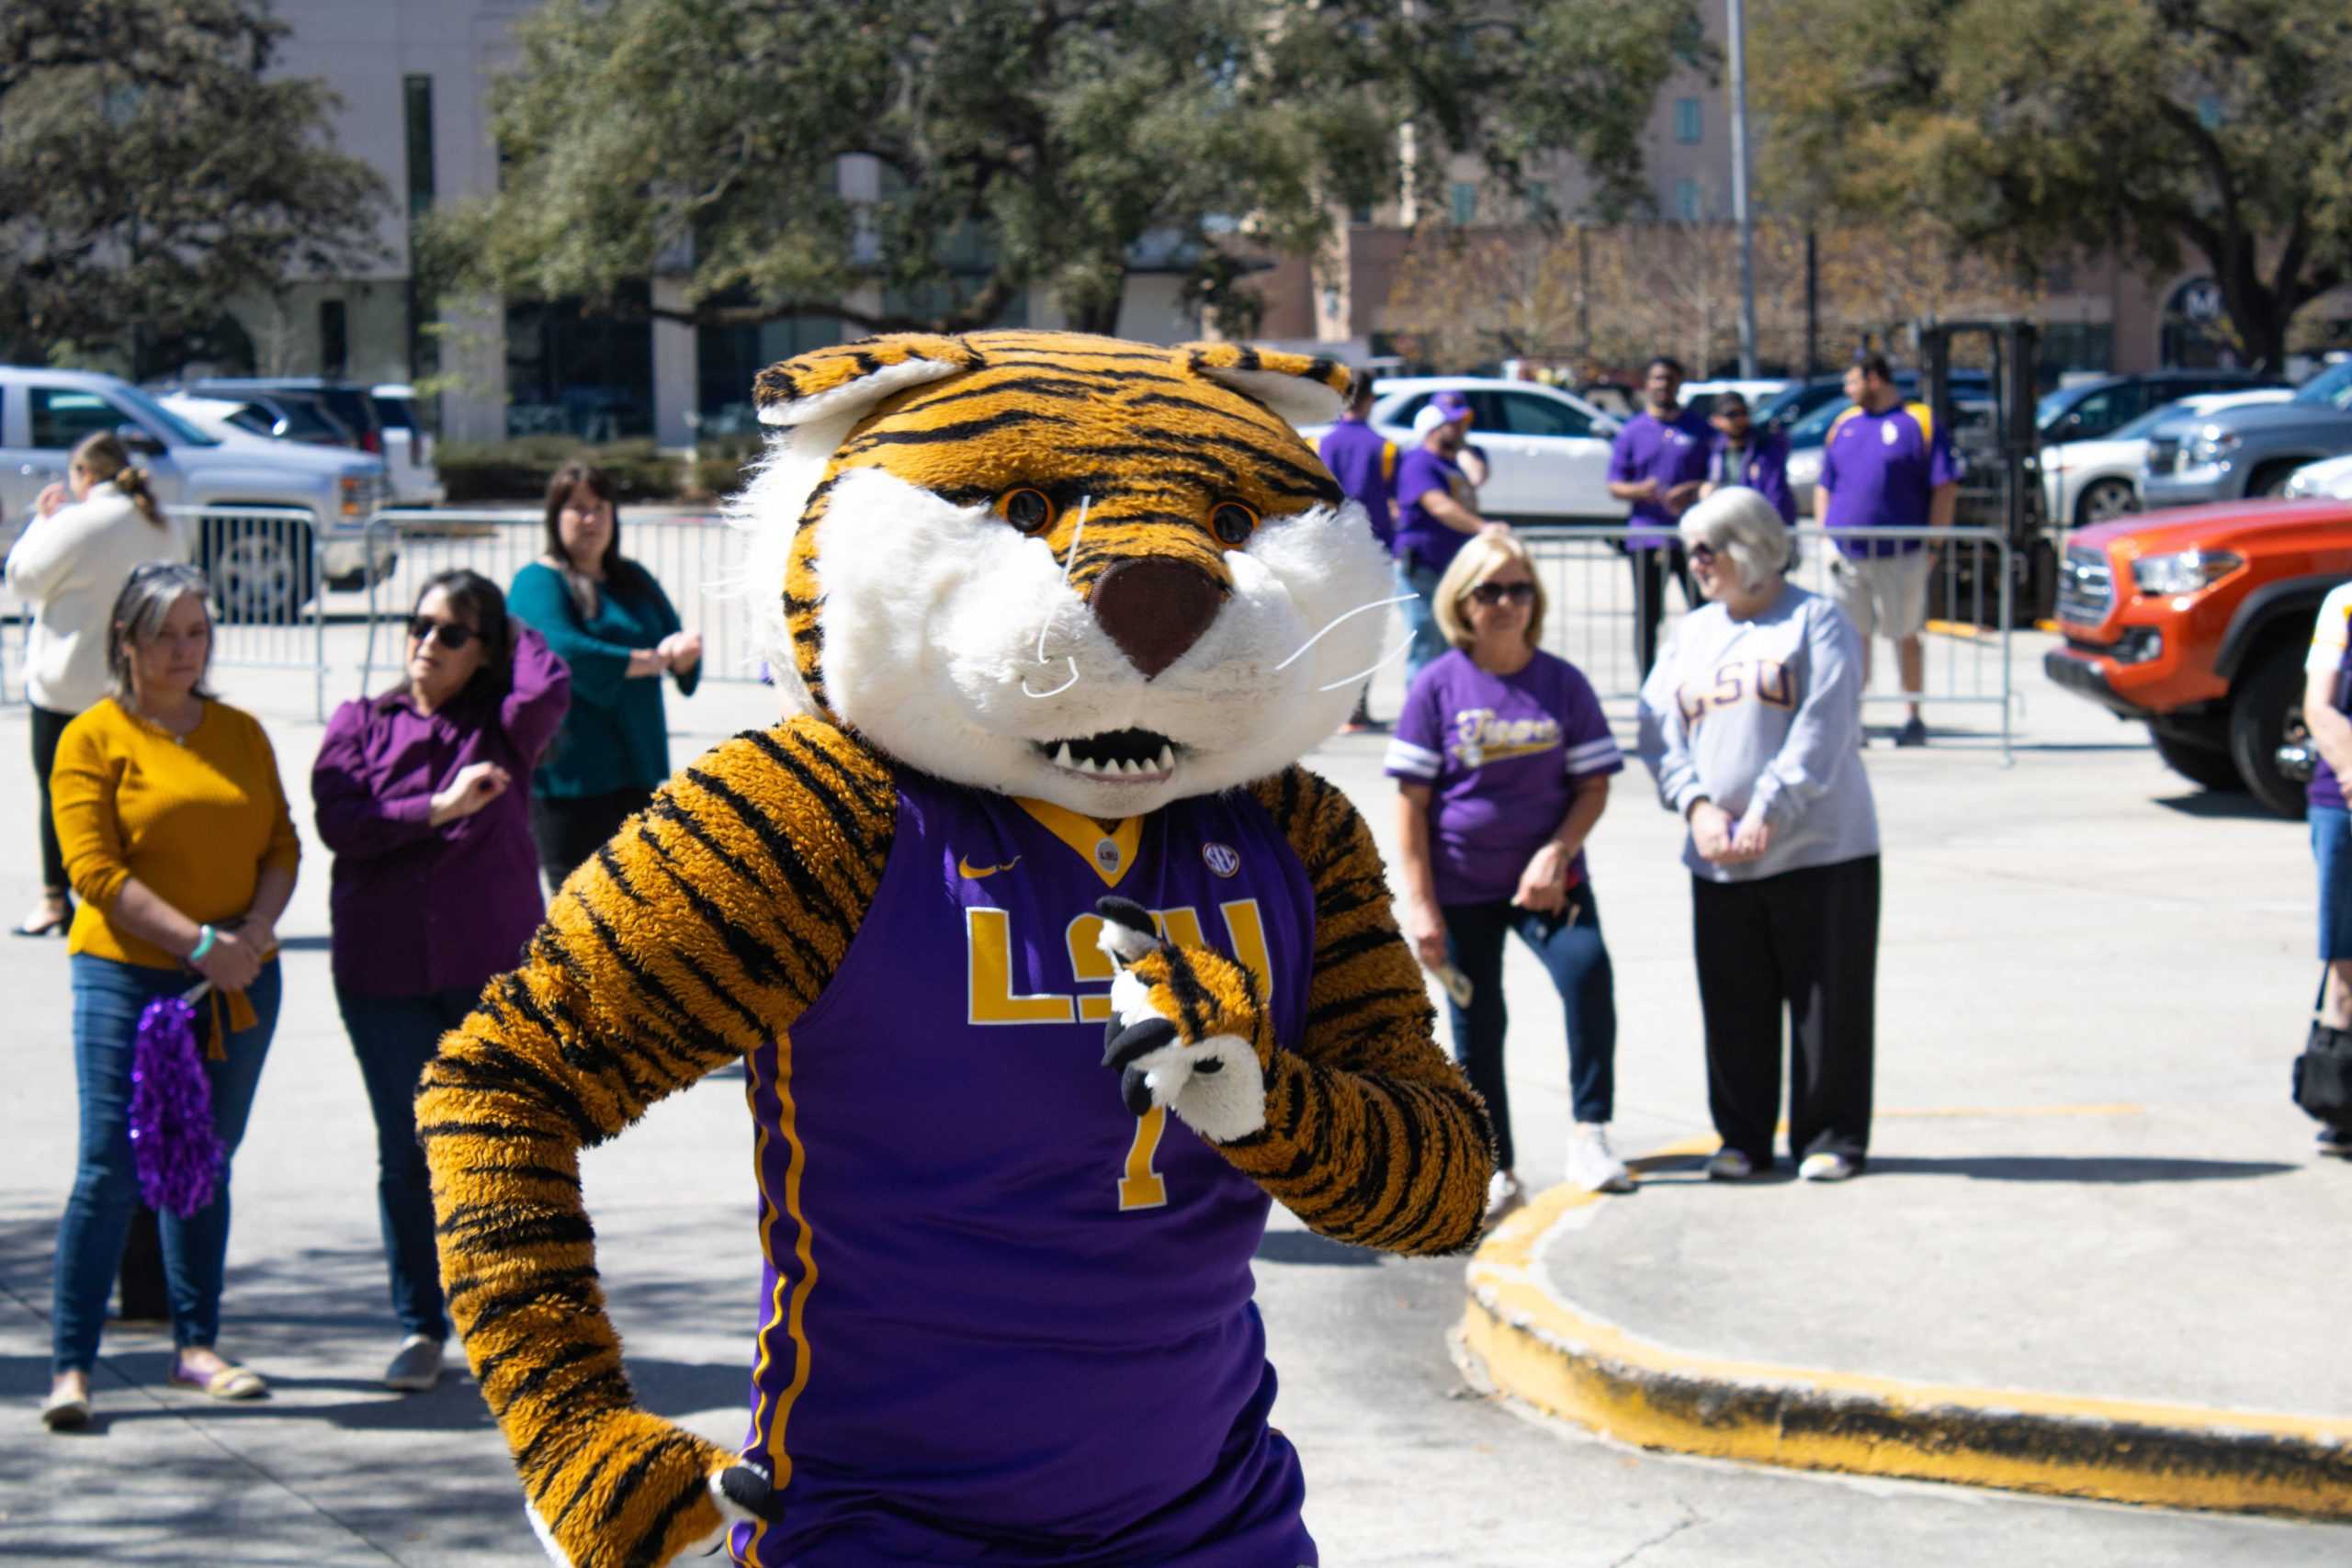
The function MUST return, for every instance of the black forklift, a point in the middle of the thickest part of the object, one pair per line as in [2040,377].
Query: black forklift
[1998,449]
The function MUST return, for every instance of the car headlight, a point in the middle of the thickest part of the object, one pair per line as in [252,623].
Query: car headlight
[358,494]
[2300,486]
[2184,571]
[2212,445]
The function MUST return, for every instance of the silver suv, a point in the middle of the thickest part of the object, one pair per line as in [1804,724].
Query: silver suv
[262,566]
[2249,451]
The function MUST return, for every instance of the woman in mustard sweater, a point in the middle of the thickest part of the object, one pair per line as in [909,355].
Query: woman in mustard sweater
[178,843]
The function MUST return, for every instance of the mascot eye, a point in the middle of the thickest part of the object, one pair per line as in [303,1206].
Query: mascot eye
[1031,511]
[1233,523]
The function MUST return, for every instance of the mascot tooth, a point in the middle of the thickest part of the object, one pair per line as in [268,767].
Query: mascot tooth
[1050,968]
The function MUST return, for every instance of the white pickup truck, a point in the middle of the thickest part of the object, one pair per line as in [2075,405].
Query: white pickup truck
[1547,451]
[263,567]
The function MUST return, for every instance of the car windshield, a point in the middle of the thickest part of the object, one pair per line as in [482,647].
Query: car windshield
[2331,387]
[2144,426]
[1813,428]
[2052,404]
[181,432]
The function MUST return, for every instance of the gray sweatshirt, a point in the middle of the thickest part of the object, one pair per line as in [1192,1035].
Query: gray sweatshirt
[1764,717]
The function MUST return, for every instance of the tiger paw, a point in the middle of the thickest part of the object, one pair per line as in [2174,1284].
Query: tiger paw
[1188,1029]
[642,1490]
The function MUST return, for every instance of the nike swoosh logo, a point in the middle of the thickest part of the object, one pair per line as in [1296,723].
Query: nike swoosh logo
[966,868]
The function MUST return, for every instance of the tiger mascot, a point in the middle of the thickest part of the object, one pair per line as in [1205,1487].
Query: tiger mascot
[1050,965]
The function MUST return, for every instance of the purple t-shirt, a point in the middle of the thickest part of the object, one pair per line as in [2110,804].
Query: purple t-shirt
[1880,470]
[968,1237]
[1670,451]
[1361,459]
[1762,466]
[2331,653]
[1502,755]
[1431,543]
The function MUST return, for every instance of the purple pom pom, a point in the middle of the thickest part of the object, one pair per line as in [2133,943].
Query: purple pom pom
[172,1141]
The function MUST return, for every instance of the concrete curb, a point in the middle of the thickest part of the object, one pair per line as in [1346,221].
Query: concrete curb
[1539,1347]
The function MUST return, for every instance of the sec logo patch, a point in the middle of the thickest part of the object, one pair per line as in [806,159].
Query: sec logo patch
[1222,859]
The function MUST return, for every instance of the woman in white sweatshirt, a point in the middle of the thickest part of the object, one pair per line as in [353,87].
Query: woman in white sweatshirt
[1752,723]
[73,559]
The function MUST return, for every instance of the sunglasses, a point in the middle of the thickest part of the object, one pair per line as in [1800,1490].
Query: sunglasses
[1701,555]
[1493,593]
[454,635]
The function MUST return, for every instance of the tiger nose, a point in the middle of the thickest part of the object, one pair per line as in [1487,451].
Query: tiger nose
[1155,610]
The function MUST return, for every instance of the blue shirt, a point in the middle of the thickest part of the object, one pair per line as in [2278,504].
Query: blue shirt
[1670,451]
[1421,540]
[1880,471]
[1364,462]
[1762,466]
[614,735]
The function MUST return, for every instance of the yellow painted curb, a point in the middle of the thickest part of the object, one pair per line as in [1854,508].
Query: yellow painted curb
[1539,1348]
[1971,631]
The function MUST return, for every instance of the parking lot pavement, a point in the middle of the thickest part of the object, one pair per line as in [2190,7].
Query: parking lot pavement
[2079,929]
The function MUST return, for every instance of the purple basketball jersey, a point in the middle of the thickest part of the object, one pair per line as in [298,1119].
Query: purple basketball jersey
[1001,1320]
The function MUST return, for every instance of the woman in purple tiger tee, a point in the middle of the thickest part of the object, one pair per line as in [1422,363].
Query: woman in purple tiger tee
[1502,759]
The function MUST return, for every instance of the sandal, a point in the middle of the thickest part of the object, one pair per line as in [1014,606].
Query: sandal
[231,1382]
[65,1412]
[45,924]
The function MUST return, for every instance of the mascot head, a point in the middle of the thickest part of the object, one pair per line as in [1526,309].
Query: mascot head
[1104,574]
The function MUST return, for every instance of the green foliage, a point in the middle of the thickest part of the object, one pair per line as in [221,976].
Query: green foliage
[148,173]
[722,466]
[2213,129]
[519,470]
[1022,146]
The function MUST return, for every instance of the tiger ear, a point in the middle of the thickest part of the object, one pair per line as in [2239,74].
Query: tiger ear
[1303,390]
[851,377]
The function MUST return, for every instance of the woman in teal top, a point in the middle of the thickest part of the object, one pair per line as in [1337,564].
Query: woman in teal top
[607,619]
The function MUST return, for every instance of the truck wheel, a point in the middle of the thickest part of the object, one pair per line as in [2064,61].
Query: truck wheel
[2207,767]
[261,570]
[2272,480]
[2266,709]
[2107,498]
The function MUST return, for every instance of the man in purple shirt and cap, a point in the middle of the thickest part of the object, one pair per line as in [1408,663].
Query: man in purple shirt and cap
[1364,462]
[1744,455]
[1886,464]
[1658,462]
[1434,500]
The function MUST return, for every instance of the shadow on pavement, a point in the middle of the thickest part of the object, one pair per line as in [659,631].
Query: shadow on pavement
[2108,1169]
[2217,804]
[1306,1247]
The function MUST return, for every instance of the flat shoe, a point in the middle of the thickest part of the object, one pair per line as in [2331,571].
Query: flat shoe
[65,1412]
[229,1382]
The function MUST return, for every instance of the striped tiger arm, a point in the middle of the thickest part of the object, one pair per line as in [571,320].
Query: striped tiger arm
[704,929]
[1372,1134]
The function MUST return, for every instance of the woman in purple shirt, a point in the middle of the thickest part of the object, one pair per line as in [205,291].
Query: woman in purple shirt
[1502,759]
[436,884]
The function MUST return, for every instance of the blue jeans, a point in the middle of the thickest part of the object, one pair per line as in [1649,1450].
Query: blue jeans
[394,1037]
[2332,849]
[108,999]
[1578,960]
[1420,618]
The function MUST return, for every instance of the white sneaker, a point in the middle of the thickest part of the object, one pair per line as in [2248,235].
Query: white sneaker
[1825,1167]
[418,1365]
[1592,1165]
[1503,1194]
[1730,1165]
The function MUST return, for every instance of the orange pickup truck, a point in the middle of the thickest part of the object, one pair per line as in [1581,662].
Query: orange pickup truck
[2197,620]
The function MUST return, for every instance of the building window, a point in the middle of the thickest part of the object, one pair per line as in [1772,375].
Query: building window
[1539,200]
[571,373]
[416,104]
[1463,197]
[726,359]
[1689,127]
[2209,112]
[1360,214]
[334,339]
[1686,200]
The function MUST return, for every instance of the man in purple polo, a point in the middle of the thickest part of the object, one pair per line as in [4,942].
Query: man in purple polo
[1886,464]
[1745,456]
[1364,462]
[1659,463]
[1434,515]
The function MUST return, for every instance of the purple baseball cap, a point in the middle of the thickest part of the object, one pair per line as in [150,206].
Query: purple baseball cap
[1454,405]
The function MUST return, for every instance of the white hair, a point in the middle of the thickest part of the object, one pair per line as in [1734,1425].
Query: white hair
[1739,525]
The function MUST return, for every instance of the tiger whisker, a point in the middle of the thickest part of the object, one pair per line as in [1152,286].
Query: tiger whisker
[1318,637]
[1058,691]
[1069,560]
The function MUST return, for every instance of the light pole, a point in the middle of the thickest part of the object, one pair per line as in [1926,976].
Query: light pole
[1740,215]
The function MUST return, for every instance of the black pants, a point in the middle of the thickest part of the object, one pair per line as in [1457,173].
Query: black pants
[48,727]
[1650,569]
[1803,942]
[1573,955]
[568,830]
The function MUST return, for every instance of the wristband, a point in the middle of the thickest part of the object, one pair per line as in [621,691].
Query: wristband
[205,937]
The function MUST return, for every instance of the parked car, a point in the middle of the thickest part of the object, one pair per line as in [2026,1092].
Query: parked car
[1801,399]
[278,416]
[261,567]
[1547,449]
[2329,479]
[2088,410]
[408,447]
[1699,397]
[352,404]
[2249,451]
[2196,622]
[2090,480]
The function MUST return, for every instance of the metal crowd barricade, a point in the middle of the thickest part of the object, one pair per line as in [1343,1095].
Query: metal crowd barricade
[697,559]
[268,571]
[1595,593]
